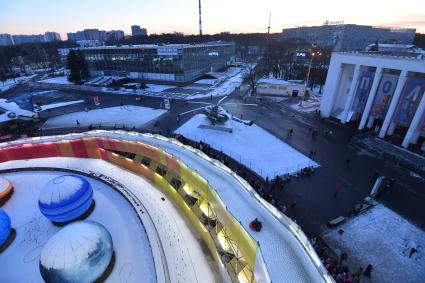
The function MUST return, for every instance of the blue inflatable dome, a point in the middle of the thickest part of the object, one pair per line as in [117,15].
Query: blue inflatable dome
[4,226]
[65,198]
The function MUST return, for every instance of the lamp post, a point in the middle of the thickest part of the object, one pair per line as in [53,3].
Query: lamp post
[312,54]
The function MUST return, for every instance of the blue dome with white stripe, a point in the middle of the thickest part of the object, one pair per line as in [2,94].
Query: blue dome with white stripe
[4,226]
[65,198]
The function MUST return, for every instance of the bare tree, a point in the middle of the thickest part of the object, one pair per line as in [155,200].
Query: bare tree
[253,74]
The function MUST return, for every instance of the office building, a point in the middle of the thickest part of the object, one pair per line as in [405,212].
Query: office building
[6,39]
[379,91]
[349,37]
[137,31]
[52,36]
[175,63]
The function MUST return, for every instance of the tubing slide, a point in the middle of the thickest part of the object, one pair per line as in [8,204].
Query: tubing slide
[217,202]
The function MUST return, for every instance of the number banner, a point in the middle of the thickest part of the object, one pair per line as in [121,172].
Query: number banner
[383,96]
[362,92]
[409,101]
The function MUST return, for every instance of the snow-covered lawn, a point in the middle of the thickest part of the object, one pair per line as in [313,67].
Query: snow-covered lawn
[20,261]
[158,88]
[58,80]
[253,146]
[382,238]
[121,115]
[11,83]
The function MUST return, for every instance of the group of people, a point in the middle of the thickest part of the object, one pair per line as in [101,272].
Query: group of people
[338,267]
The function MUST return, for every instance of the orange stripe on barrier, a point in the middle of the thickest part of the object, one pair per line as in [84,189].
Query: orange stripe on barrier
[92,148]
[79,148]
[65,149]
[172,163]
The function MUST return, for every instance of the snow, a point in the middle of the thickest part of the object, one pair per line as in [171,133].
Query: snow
[4,185]
[11,83]
[60,104]
[207,81]
[20,261]
[158,88]
[166,227]
[121,115]
[10,106]
[275,81]
[58,80]
[382,238]
[251,145]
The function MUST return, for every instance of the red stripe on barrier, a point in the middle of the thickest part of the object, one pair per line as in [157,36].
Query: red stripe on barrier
[79,148]
[3,157]
[104,154]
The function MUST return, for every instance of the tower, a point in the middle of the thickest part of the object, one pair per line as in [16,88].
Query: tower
[200,19]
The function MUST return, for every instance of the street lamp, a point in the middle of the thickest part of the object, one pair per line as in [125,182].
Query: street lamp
[312,54]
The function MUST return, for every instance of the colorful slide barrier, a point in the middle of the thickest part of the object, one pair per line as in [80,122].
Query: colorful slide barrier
[229,243]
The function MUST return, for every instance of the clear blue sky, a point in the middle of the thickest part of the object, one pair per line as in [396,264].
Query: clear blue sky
[158,16]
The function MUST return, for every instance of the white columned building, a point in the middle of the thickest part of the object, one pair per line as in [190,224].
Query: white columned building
[378,91]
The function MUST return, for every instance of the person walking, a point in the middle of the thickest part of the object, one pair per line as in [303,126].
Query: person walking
[337,190]
[368,271]
[357,274]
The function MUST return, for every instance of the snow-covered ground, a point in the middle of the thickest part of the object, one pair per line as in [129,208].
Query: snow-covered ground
[20,261]
[121,115]
[158,88]
[58,80]
[253,146]
[11,83]
[183,257]
[382,238]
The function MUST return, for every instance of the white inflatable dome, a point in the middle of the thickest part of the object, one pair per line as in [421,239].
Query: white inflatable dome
[79,252]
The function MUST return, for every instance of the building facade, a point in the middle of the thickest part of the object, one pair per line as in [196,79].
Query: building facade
[137,31]
[52,36]
[378,91]
[349,37]
[6,39]
[175,63]
[277,87]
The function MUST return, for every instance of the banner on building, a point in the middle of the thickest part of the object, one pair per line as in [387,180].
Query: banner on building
[362,92]
[96,100]
[409,101]
[383,96]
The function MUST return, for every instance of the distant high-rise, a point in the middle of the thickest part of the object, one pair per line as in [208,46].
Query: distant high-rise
[6,39]
[52,36]
[23,38]
[349,37]
[137,31]
[95,35]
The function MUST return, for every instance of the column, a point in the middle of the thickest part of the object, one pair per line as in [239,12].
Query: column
[350,97]
[371,97]
[393,105]
[370,122]
[330,93]
[415,124]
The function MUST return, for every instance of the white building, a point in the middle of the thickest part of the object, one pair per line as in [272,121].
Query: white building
[276,87]
[6,39]
[384,92]
[52,36]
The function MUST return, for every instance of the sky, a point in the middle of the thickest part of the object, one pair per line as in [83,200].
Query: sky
[161,16]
